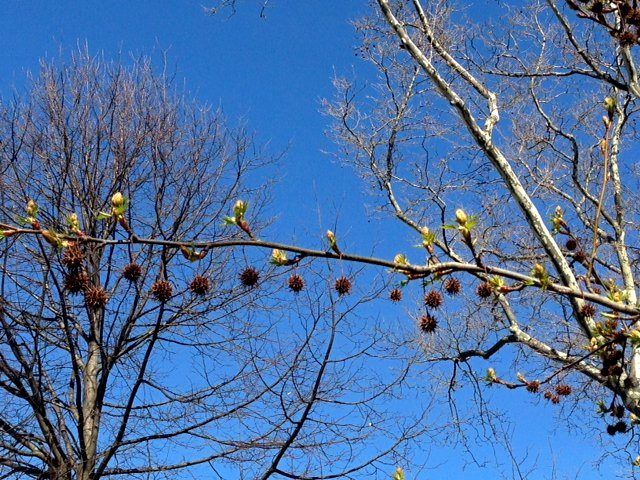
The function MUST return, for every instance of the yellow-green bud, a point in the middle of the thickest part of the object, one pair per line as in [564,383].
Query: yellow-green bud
[539,271]
[32,209]
[73,222]
[399,475]
[491,376]
[610,104]
[461,217]
[239,209]
[401,259]
[117,200]
[279,257]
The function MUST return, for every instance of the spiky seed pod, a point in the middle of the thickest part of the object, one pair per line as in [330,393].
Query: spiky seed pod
[548,394]
[296,283]
[613,356]
[73,258]
[615,370]
[555,399]
[633,17]
[611,429]
[76,282]
[588,310]
[96,297]
[433,299]
[484,290]
[580,256]
[395,295]
[618,411]
[621,427]
[452,286]
[343,286]
[533,386]
[200,285]
[162,291]
[563,390]
[627,39]
[428,323]
[249,277]
[132,272]
[571,244]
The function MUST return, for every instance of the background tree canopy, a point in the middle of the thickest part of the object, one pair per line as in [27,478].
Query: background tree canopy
[170,308]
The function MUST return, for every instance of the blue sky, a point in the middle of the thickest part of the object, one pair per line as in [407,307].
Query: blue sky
[272,73]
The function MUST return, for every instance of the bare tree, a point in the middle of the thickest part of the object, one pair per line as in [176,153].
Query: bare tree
[128,348]
[505,147]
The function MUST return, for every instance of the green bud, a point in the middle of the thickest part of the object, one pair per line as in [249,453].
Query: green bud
[461,217]
[279,258]
[32,209]
[239,209]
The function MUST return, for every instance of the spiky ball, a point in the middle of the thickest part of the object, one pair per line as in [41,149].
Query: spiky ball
[621,427]
[96,297]
[611,429]
[484,290]
[296,283]
[132,272]
[433,299]
[73,258]
[428,323]
[571,244]
[76,282]
[200,285]
[395,295]
[343,286]
[533,386]
[249,277]
[162,291]
[580,256]
[452,286]
[588,310]
[563,390]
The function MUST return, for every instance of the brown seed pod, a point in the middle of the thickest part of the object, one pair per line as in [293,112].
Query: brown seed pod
[428,323]
[615,370]
[588,310]
[580,256]
[132,272]
[76,282]
[96,297]
[621,427]
[73,258]
[162,291]
[627,39]
[395,295]
[563,390]
[249,277]
[296,283]
[611,429]
[618,411]
[433,299]
[200,285]
[452,286]
[571,244]
[533,386]
[484,290]
[343,286]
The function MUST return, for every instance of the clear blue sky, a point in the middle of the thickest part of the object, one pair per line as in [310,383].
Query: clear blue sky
[272,72]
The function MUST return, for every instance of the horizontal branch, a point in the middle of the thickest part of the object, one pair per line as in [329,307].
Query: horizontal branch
[411,271]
